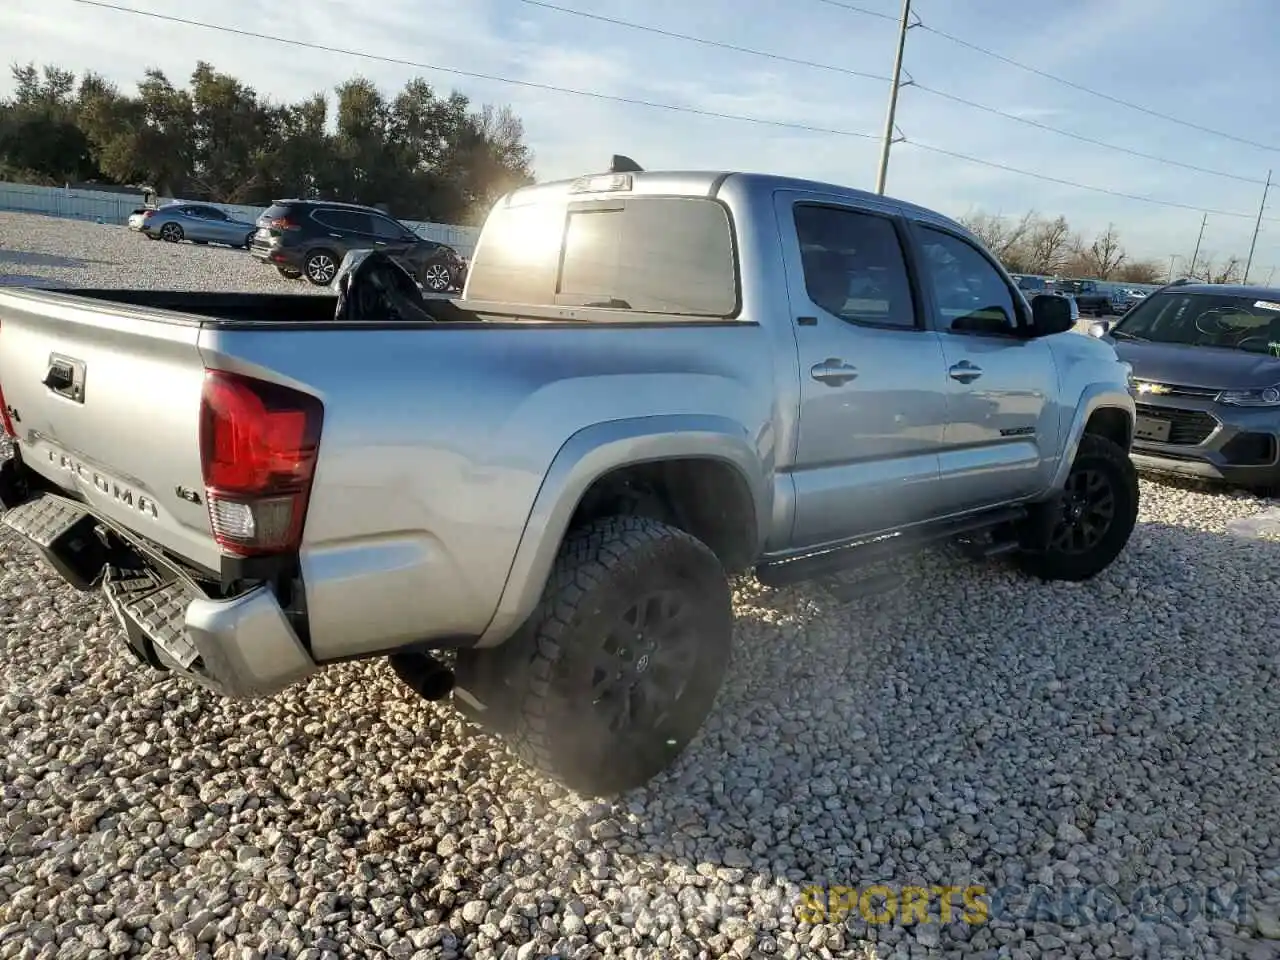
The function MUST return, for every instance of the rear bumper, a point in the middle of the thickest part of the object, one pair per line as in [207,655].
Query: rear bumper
[243,647]
[285,257]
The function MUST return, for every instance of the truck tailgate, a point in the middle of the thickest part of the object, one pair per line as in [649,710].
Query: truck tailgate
[105,402]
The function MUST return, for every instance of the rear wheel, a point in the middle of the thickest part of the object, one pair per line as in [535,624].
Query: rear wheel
[172,233]
[437,277]
[1078,534]
[618,667]
[320,267]
[248,239]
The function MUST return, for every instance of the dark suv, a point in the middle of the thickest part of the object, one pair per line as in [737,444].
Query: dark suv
[309,238]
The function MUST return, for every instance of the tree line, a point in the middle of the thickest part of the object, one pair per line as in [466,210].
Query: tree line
[420,153]
[1048,246]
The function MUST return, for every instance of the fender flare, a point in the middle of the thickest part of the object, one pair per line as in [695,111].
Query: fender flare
[587,456]
[1094,397]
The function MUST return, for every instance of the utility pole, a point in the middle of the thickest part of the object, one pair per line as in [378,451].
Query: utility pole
[1195,256]
[1172,258]
[894,86]
[1257,227]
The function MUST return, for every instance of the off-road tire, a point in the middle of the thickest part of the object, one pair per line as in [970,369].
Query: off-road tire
[535,698]
[1102,457]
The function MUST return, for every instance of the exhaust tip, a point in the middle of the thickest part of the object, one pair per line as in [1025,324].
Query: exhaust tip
[423,674]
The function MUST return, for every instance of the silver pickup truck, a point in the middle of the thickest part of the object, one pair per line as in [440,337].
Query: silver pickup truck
[533,501]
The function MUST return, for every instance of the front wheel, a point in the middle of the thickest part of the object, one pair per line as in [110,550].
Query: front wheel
[620,664]
[1080,533]
[437,278]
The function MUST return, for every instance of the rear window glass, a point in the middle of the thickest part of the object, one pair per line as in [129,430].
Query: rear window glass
[669,255]
[277,211]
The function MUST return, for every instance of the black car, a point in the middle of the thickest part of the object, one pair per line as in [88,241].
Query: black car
[309,238]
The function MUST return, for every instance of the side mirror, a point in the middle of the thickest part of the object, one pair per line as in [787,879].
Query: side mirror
[1099,328]
[1050,315]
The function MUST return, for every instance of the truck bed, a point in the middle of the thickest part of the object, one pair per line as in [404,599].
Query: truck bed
[229,309]
[436,437]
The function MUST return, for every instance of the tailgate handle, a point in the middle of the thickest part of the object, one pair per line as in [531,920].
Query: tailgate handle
[65,377]
[59,378]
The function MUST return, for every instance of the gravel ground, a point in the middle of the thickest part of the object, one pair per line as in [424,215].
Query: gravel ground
[1114,744]
[46,251]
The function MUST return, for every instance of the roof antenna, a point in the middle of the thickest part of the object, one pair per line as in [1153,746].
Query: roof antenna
[623,164]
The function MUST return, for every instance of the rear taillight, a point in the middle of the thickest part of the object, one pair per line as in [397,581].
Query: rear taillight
[6,423]
[283,223]
[258,447]
[148,214]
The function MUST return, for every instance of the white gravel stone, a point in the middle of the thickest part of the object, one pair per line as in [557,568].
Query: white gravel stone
[972,728]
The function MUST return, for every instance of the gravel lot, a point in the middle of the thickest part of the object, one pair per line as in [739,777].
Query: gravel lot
[1117,742]
[45,251]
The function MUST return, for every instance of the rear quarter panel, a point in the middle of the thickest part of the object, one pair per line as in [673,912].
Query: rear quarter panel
[437,442]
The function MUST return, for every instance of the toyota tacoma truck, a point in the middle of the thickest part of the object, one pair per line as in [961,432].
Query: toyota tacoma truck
[532,498]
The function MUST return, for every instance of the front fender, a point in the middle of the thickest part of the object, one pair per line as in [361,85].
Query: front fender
[1094,397]
[595,451]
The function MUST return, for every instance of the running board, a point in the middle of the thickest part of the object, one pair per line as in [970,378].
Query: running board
[782,573]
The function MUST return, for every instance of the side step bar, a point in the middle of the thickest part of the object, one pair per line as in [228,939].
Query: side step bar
[810,566]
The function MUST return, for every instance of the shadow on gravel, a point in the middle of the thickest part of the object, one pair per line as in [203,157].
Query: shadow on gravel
[25,258]
[31,280]
[1119,737]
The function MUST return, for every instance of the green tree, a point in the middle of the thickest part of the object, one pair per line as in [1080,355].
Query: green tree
[421,153]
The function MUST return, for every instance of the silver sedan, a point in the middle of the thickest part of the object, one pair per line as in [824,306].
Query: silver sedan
[197,222]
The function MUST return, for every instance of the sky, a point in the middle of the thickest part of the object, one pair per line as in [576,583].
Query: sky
[1209,64]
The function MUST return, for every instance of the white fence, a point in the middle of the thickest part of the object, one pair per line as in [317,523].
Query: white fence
[107,207]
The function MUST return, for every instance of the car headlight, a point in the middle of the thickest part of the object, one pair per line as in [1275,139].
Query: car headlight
[1266,397]
[1128,375]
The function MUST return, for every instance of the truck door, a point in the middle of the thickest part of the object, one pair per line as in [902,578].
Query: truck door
[1001,438]
[872,383]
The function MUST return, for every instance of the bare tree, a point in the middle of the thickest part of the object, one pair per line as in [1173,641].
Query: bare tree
[1141,271]
[1001,235]
[1048,244]
[1106,254]
[1208,270]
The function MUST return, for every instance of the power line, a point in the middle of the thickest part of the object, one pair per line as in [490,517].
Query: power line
[1081,137]
[1070,183]
[1089,90]
[767,55]
[854,8]
[678,108]
[472,74]
[707,42]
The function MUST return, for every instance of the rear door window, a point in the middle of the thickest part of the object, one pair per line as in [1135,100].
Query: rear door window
[385,229]
[345,221]
[854,266]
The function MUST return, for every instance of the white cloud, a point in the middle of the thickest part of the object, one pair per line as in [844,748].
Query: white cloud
[1141,49]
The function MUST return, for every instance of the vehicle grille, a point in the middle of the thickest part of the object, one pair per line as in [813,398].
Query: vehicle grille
[1187,427]
[1175,390]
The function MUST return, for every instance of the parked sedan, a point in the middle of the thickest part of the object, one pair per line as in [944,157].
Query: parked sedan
[197,222]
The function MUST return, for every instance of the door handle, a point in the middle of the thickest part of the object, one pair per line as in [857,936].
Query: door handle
[965,372]
[833,372]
